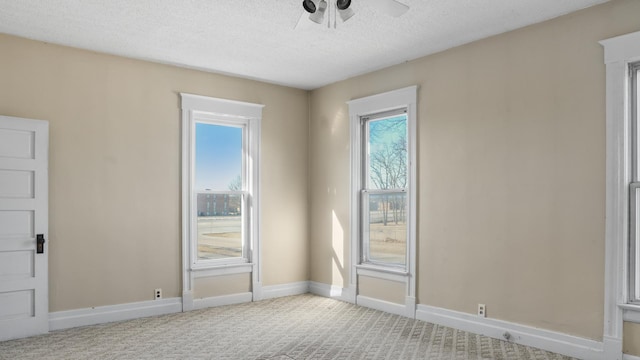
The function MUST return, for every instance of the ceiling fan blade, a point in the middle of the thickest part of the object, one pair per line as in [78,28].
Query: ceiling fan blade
[391,7]
[299,20]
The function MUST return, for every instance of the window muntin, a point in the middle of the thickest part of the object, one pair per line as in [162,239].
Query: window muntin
[634,189]
[384,189]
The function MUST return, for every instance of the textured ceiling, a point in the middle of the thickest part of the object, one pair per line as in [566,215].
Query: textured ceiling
[263,40]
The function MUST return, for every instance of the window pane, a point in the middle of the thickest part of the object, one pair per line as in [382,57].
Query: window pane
[387,146]
[387,228]
[219,226]
[218,163]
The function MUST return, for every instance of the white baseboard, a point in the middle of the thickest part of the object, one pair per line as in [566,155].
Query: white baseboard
[103,314]
[276,291]
[612,348]
[257,291]
[332,291]
[222,300]
[382,305]
[543,339]
[187,301]
[410,306]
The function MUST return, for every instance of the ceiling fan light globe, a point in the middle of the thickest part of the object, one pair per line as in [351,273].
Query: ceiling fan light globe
[318,16]
[343,4]
[346,14]
[309,6]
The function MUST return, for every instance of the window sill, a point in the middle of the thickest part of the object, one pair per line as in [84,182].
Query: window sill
[217,270]
[631,312]
[381,272]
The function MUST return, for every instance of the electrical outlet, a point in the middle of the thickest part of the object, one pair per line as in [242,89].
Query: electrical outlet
[482,310]
[158,294]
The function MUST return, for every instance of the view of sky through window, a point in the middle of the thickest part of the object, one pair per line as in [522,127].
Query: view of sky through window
[218,158]
[388,153]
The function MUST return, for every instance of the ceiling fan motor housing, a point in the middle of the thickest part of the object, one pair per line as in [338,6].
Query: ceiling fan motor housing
[309,6]
[343,4]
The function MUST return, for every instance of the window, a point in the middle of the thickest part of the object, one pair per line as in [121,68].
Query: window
[220,199]
[622,263]
[383,191]
[634,243]
[220,190]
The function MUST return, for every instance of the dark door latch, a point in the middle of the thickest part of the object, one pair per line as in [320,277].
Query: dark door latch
[40,244]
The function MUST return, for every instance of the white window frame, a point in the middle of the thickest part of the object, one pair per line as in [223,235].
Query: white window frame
[202,109]
[619,53]
[375,104]
[634,235]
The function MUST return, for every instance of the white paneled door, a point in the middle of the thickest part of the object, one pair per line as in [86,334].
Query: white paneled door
[24,299]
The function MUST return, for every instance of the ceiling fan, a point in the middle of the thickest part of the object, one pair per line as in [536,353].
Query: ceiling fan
[318,8]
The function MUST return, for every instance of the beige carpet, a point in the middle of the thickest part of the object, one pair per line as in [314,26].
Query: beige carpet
[295,327]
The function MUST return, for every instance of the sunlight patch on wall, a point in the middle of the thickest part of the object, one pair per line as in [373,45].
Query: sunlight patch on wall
[337,245]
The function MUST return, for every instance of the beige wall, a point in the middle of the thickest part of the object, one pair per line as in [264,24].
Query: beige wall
[631,341]
[511,171]
[114,220]
[221,285]
[387,290]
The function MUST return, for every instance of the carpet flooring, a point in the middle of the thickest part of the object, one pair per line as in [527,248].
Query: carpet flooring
[294,327]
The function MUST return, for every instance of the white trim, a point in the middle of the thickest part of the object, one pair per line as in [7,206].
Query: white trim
[383,102]
[526,335]
[619,52]
[623,48]
[228,269]
[187,276]
[382,305]
[632,307]
[354,203]
[382,273]
[630,357]
[333,291]
[187,301]
[290,289]
[254,206]
[612,348]
[221,107]
[410,306]
[222,300]
[104,314]
[401,98]
[631,315]
[257,290]
[196,107]
[350,294]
